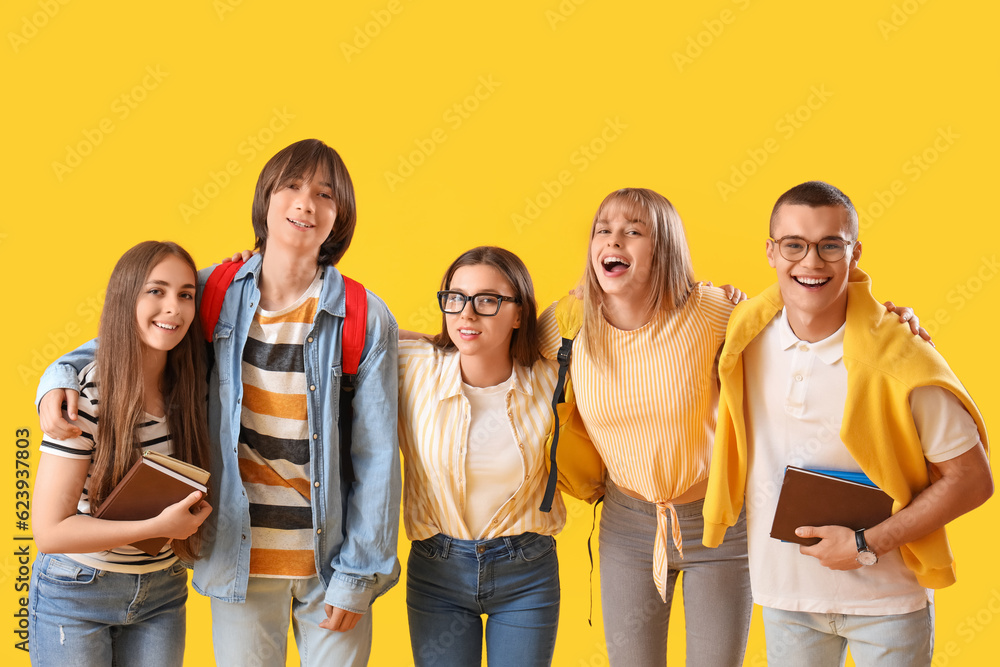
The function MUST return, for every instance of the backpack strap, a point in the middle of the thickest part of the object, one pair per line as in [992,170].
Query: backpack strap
[558,396]
[214,294]
[569,317]
[352,343]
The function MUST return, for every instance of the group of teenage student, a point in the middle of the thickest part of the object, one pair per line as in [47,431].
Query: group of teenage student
[282,535]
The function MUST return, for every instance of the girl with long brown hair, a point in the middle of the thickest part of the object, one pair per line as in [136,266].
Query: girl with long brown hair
[93,598]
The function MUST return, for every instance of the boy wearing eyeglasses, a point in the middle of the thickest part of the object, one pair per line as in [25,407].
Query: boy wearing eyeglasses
[816,374]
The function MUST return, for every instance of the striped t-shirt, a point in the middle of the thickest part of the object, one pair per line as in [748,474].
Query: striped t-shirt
[651,413]
[274,439]
[153,435]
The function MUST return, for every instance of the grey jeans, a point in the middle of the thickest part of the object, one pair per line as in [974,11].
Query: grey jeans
[716,587]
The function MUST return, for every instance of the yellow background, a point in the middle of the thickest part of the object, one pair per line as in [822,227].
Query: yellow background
[128,121]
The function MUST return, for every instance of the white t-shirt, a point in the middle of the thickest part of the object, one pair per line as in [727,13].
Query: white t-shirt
[796,392]
[493,467]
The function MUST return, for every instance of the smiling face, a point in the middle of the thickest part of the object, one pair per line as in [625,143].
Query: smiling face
[487,338]
[621,254]
[165,307]
[301,214]
[814,290]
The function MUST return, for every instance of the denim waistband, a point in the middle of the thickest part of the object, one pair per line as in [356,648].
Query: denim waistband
[616,495]
[509,544]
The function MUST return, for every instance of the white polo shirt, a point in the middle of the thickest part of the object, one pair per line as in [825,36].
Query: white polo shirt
[796,392]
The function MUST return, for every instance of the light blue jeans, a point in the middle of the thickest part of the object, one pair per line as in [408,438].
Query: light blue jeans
[797,638]
[255,632]
[716,587]
[513,580]
[81,616]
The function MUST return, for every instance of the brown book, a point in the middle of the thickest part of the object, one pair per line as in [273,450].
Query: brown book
[811,498]
[155,482]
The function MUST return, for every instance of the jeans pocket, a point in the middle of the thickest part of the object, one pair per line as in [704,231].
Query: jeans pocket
[425,548]
[537,548]
[66,572]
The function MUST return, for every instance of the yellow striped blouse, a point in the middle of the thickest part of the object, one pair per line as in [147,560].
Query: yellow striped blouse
[652,412]
[433,437]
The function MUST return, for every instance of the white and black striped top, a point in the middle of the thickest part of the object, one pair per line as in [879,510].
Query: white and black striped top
[153,434]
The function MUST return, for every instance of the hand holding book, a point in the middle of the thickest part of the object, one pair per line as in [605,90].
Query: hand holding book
[182,519]
[837,548]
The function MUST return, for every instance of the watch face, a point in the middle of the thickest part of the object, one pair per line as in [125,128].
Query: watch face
[867,558]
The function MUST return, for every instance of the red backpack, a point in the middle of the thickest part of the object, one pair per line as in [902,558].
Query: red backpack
[352,343]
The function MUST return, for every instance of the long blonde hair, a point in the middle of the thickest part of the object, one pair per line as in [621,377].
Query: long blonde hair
[120,380]
[671,272]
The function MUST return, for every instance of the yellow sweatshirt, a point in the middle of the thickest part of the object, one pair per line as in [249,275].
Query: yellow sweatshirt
[884,364]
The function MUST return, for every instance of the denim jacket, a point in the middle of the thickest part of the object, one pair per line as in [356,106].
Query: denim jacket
[356,530]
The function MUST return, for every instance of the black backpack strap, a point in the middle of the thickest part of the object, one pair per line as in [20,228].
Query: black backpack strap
[558,396]
[352,343]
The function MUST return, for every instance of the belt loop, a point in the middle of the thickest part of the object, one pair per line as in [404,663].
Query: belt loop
[445,546]
[511,551]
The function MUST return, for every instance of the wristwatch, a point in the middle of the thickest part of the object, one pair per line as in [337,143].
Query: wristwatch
[865,555]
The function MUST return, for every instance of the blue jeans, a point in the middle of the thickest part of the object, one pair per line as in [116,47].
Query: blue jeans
[821,640]
[513,580]
[255,632]
[716,587]
[81,616]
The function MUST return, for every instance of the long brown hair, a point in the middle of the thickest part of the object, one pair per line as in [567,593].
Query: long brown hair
[524,342]
[671,272]
[120,380]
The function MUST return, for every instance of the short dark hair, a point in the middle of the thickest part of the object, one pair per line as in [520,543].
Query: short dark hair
[302,160]
[816,194]
[524,342]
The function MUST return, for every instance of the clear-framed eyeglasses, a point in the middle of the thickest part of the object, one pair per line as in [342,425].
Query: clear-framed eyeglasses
[484,304]
[794,248]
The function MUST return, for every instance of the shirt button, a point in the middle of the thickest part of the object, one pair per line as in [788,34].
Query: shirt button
[798,378]
[803,347]
[316,484]
[312,387]
[309,340]
[315,436]
[319,531]
[243,537]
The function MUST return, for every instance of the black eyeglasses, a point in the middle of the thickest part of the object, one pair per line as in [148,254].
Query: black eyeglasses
[484,304]
[794,248]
